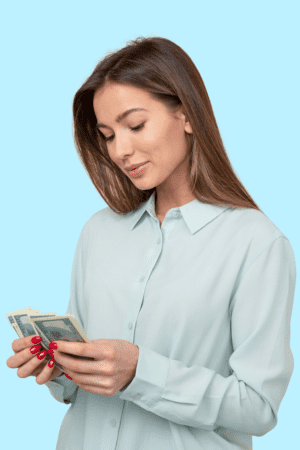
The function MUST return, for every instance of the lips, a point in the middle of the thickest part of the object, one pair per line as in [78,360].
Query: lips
[136,167]
[139,169]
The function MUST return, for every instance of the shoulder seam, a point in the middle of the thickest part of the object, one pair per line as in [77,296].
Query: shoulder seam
[259,252]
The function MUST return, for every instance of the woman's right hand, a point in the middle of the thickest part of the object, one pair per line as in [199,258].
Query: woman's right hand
[28,364]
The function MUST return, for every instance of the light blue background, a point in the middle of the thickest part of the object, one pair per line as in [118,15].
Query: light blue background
[246,53]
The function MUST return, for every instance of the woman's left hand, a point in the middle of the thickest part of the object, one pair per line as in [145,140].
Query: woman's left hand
[112,369]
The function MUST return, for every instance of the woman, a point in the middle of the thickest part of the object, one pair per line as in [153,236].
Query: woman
[182,262]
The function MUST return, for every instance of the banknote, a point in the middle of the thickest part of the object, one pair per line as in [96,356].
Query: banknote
[20,322]
[49,326]
[60,328]
[13,322]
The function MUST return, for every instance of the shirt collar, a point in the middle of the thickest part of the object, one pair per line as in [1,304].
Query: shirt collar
[195,213]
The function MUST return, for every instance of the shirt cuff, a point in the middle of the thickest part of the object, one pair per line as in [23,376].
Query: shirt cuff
[62,389]
[150,378]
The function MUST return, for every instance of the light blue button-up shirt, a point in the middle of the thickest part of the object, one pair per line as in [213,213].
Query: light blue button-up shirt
[207,297]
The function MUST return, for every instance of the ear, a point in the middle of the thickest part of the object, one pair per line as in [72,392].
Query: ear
[188,128]
[181,115]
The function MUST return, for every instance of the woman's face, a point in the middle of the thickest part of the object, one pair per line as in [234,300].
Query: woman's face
[159,141]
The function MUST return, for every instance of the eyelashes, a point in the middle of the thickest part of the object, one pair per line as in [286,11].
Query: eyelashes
[138,128]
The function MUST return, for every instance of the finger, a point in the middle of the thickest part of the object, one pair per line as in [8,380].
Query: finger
[86,350]
[26,370]
[20,344]
[23,356]
[75,363]
[75,348]
[45,374]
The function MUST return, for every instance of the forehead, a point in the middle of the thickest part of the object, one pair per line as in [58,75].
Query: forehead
[115,96]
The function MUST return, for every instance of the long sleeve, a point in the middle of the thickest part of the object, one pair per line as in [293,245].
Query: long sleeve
[261,362]
[61,388]
[207,297]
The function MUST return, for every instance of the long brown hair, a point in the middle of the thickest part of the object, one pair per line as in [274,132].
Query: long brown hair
[168,74]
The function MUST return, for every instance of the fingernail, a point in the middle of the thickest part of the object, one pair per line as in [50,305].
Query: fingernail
[68,376]
[53,345]
[35,349]
[42,354]
[51,363]
[51,353]
[36,339]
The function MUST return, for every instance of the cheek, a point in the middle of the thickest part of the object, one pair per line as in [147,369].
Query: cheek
[158,143]
[175,132]
[156,132]
[151,137]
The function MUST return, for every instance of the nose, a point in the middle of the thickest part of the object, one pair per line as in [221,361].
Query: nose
[122,147]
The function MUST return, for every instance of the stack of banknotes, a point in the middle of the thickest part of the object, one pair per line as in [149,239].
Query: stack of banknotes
[49,326]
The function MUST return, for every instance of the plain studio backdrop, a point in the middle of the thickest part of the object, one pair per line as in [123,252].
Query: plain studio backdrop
[248,56]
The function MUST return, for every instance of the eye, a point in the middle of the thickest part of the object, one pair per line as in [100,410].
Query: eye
[139,127]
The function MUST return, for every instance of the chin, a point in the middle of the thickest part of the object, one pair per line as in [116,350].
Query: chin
[144,186]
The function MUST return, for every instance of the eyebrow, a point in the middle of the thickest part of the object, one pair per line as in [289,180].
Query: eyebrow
[121,116]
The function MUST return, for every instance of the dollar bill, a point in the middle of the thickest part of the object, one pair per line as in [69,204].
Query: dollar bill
[13,322]
[49,326]
[20,322]
[60,328]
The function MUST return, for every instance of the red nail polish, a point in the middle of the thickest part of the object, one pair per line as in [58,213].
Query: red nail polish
[51,353]
[51,363]
[35,348]
[42,354]
[53,345]
[36,339]
[68,376]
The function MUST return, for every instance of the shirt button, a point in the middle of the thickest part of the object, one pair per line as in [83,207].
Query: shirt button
[175,214]
[113,422]
[142,278]
[137,396]
[130,325]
